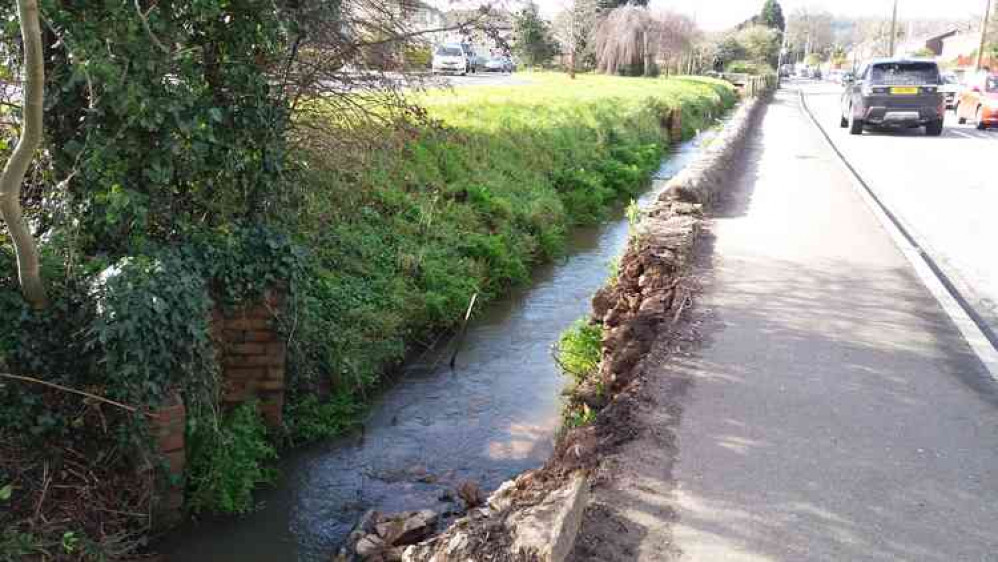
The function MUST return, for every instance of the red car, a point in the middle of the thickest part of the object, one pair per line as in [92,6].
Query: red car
[979,102]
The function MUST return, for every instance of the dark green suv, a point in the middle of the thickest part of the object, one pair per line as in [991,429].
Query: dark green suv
[895,93]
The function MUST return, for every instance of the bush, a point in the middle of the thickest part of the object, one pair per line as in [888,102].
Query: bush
[579,348]
[749,67]
[229,462]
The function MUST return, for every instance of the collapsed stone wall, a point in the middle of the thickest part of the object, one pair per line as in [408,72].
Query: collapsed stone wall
[537,516]
[648,292]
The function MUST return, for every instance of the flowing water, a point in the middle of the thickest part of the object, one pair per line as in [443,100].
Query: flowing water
[494,415]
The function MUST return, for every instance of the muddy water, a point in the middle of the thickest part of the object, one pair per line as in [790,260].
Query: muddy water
[491,417]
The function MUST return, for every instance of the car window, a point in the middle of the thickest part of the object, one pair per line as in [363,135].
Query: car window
[904,73]
[991,84]
[448,51]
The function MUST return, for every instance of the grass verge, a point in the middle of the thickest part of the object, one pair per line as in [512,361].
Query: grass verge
[402,238]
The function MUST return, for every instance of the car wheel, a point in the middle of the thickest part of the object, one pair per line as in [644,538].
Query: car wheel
[979,119]
[959,118]
[855,125]
[934,128]
[843,122]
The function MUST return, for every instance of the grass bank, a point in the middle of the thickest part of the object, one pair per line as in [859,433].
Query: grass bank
[402,238]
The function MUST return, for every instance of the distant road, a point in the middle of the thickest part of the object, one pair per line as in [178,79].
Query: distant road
[943,189]
[487,79]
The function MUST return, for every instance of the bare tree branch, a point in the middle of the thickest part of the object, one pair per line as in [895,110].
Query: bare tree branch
[145,25]
[59,387]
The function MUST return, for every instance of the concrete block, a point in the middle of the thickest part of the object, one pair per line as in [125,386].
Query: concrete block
[548,529]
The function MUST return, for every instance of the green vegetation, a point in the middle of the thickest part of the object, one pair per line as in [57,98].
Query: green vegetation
[579,349]
[229,463]
[402,240]
[578,354]
[159,201]
[748,67]
[535,44]
[752,50]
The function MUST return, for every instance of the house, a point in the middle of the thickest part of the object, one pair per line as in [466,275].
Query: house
[427,21]
[961,48]
[926,44]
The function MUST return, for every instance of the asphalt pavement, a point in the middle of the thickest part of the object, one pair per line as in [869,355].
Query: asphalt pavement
[835,412]
[943,189]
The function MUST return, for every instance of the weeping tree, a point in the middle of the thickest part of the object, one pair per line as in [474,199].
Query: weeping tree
[28,270]
[623,41]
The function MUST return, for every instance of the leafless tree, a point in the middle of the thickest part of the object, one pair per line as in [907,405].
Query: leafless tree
[623,38]
[673,37]
[809,30]
[573,27]
[346,72]
[28,269]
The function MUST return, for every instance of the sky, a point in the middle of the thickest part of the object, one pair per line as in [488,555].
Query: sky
[715,15]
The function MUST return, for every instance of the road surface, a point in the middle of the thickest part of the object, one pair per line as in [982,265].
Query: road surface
[488,79]
[943,189]
[833,411]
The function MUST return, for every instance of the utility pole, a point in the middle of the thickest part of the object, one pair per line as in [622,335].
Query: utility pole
[984,35]
[894,23]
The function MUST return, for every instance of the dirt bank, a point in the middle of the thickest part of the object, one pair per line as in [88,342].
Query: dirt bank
[629,510]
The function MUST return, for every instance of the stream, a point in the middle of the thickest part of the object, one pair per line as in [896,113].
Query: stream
[490,418]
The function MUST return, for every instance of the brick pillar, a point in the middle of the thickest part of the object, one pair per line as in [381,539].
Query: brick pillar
[168,426]
[676,125]
[253,356]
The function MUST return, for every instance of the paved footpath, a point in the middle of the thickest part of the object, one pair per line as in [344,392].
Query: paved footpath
[834,413]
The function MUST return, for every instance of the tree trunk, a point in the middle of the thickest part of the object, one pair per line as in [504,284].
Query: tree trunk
[571,64]
[649,59]
[28,269]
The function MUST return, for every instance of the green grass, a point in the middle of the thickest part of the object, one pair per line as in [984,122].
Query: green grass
[579,350]
[402,238]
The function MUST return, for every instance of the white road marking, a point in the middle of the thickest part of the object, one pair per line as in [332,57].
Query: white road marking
[975,338]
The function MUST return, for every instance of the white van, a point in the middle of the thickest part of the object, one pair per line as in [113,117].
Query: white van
[450,57]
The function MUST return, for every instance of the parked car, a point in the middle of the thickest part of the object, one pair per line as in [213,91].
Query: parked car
[896,93]
[979,101]
[816,74]
[499,64]
[450,58]
[951,89]
[475,61]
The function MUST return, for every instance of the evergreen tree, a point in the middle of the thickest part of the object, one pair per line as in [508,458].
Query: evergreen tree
[772,15]
[534,43]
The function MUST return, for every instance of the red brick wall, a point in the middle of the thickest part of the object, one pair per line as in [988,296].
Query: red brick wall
[676,126]
[168,426]
[253,356]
